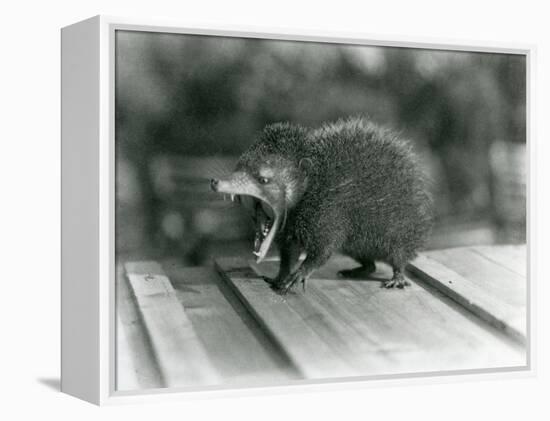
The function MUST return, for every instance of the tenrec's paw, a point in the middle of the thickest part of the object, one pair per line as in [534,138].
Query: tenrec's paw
[397,282]
[282,287]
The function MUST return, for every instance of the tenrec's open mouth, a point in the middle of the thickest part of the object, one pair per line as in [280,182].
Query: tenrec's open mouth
[266,223]
[266,216]
[264,219]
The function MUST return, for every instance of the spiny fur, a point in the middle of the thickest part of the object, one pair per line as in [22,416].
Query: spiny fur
[365,194]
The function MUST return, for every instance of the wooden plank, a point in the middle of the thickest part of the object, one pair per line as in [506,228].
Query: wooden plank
[335,324]
[490,291]
[370,329]
[423,331]
[179,353]
[309,353]
[136,367]
[126,372]
[403,331]
[512,257]
[239,350]
[504,284]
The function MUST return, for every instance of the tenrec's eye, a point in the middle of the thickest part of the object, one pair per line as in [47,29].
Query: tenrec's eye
[263,180]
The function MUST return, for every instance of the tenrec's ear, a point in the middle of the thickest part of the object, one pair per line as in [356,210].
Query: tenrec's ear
[306,165]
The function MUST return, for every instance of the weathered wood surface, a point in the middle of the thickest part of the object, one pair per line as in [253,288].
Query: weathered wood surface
[292,333]
[342,326]
[489,281]
[179,353]
[136,366]
[238,349]
[512,257]
[192,327]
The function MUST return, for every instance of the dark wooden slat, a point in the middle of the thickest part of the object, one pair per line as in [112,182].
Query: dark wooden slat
[492,292]
[177,349]
[310,354]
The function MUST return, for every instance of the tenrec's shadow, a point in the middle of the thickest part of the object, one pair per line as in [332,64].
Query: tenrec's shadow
[367,278]
[53,383]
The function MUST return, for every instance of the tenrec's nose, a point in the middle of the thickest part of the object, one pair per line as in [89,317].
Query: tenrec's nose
[214,184]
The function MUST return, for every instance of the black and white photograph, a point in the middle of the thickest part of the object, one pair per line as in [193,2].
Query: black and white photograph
[275,210]
[293,212]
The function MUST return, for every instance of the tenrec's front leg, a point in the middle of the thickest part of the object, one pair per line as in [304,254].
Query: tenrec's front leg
[398,280]
[303,272]
[319,243]
[290,255]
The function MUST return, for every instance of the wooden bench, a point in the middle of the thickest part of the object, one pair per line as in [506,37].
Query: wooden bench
[203,326]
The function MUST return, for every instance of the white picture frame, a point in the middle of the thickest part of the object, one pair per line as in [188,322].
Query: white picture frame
[88,167]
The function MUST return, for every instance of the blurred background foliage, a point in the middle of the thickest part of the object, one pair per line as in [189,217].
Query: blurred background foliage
[187,106]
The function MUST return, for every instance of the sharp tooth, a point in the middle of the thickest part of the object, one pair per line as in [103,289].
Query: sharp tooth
[232,197]
[256,253]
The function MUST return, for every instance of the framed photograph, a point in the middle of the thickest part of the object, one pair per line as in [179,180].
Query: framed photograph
[247,210]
